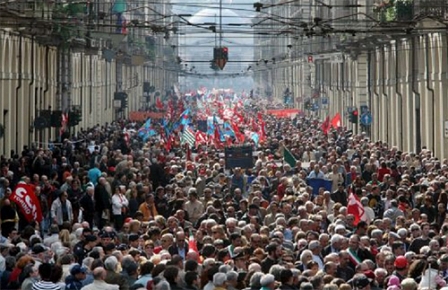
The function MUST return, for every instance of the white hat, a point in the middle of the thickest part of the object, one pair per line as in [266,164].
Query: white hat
[339,227]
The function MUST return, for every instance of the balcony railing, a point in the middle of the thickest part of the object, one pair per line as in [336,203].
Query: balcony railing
[395,10]
[435,8]
[407,10]
[31,8]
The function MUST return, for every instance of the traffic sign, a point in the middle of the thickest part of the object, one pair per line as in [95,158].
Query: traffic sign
[221,63]
[366,119]
[364,109]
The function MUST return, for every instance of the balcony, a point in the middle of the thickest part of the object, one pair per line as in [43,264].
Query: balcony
[407,10]
[394,10]
[435,8]
[30,8]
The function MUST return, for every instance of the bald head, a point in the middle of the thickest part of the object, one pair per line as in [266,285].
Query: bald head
[99,273]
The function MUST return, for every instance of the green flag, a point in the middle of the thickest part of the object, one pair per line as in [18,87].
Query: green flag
[288,157]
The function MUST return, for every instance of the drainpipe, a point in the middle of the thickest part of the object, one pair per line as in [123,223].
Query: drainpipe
[47,84]
[32,81]
[344,101]
[431,90]
[398,93]
[418,133]
[91,85]
[385,95]
[369,88]
[377,97]
[18,88]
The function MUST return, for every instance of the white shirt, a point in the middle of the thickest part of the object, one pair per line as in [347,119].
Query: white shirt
[2,263]
[194,209]
[51,240]
[118,201]
[319,261]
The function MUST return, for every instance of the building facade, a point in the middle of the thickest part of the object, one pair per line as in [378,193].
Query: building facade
[390,61]
[45,68]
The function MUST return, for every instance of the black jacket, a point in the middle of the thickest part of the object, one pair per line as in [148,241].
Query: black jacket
[87,204]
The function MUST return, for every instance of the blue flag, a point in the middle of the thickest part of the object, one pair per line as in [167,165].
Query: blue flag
[254,136]
[228,130]
[210,126]
[185,117]
[145,132]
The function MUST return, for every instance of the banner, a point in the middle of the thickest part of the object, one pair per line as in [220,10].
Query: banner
[143,116]
[23,195]
[285,113]
[317,183]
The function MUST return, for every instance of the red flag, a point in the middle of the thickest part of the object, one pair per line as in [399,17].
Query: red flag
[262,128]
[355,208]
[168,143]
[64,122]
[159,104]
[201,138]
[217,138]
[27,201]
[189,155]
[336,121]
[326,125]
[192,245]
[238,135]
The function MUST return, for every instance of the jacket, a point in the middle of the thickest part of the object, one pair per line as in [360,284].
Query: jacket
[144,208]
[100,285]
[56,211]
[117,279]
[119,201]
[71,283]
[174,249]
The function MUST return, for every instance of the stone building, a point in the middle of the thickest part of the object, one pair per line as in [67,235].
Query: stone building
[66,56]
[388,58]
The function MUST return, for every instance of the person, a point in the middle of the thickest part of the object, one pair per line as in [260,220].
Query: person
[241,223]
[148,208]
[102,203]
[145,274]
[99,276]
[31,274]
[192,281]
[45,273]
[61,210]
[8,217]
[74,280]
[267,282]
[119,206]
[274,253]
[94,173]
[87,205]
[220,281]
[112,267]
[83,248]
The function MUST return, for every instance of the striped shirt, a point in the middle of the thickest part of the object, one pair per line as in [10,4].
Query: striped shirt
[46,285]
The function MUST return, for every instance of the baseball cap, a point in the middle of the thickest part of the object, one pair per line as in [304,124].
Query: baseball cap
[369,274]
[39,248]
[76,269]
[361,281]
[90,238]
[133,237]
[401,262]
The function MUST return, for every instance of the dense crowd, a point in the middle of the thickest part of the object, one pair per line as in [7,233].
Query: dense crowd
[120,214]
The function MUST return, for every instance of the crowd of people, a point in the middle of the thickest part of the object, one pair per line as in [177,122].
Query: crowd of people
[130,215]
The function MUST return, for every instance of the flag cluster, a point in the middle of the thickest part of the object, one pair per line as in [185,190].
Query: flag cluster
[188,137]
[335,123]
